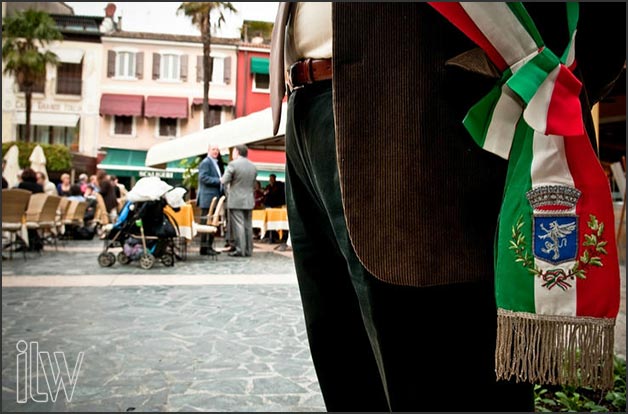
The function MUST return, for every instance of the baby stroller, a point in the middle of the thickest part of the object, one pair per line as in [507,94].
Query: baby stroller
[144,232]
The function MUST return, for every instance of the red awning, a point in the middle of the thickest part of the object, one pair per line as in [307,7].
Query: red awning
[126,105]
[213,102]
[166,107]
[267,156]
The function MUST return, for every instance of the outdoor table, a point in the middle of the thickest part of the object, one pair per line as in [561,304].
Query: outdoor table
[259,220]
[277,219]
[271,219]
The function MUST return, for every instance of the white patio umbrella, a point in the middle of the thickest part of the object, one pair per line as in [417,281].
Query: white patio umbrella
[12,166]
[38,160]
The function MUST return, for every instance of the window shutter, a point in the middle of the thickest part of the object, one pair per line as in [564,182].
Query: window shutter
[227,70]
[111,64]
[156,62]
[139,65]
[199,68]
[183,72]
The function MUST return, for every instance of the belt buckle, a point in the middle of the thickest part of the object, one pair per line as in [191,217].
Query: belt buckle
[291,71]
[290,76]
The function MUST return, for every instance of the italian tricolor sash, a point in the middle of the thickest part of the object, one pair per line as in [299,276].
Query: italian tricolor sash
[556,265]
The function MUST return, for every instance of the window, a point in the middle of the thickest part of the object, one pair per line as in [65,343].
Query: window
[261,82]
[39,85]
[169,67]
[46,134]
[69,78]
[218,70]
[167,127]
[221,69]
[125,65]
[122,125]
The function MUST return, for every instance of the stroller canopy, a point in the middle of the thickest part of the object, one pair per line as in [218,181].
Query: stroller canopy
[148,189]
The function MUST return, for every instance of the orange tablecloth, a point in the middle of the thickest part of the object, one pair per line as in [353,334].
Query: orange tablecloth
[277,219]
[185,220]
[259,220]
[271,219]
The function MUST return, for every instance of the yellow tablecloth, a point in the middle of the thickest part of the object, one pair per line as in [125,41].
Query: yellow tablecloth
[271,219]
[259,220]
[185,220]
[277,219]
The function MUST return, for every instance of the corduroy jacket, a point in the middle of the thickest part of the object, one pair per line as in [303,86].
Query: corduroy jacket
[426,213]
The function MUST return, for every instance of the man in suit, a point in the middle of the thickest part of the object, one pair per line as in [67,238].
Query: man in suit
[209,187]
[394,326]
[240,176]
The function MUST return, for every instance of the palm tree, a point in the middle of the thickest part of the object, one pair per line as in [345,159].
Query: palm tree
[23,34]
[200,13]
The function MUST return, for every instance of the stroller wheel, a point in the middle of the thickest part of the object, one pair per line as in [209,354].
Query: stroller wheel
[106,259]
[112,258]
[123,258]
[167,259]
[147,261]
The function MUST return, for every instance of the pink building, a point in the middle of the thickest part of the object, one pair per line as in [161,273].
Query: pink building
[152,89]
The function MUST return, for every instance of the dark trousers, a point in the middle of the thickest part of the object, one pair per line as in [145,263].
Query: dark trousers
[378,346]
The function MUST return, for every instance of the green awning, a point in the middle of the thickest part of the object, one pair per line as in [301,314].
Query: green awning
[259,65]
[263,175]
[132,163]
[119,157]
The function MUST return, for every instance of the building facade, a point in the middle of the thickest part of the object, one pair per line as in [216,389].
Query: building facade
[253,92]
[152,91]
[65,103]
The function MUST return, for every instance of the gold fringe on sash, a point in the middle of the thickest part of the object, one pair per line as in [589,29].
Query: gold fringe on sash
[560,350]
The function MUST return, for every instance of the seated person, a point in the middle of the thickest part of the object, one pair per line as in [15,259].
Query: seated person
[75,193]
[29,181]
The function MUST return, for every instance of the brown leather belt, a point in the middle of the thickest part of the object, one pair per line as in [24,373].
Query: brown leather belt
[308,71]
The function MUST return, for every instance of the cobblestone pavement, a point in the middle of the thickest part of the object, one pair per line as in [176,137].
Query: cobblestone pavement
[212,347]
[204,335]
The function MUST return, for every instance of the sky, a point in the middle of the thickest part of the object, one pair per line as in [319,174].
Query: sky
[161,17]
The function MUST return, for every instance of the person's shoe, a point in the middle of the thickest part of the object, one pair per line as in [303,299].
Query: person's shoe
[203,252]
[212,253]
[229,249]
[235,254]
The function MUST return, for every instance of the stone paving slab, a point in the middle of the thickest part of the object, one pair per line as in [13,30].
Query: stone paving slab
[155,348]
[204,335]
[80,258]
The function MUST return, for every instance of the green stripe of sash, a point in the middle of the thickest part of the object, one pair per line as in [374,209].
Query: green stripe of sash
[527,80]
[514,284]
[524,18]
[478,119]
[573,13]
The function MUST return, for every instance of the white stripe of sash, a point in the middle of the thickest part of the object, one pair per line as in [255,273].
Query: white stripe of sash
[549,167]
[502,29]
[501,130]
[535,113]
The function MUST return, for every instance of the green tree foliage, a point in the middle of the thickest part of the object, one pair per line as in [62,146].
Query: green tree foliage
[58,157]
[24,39]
